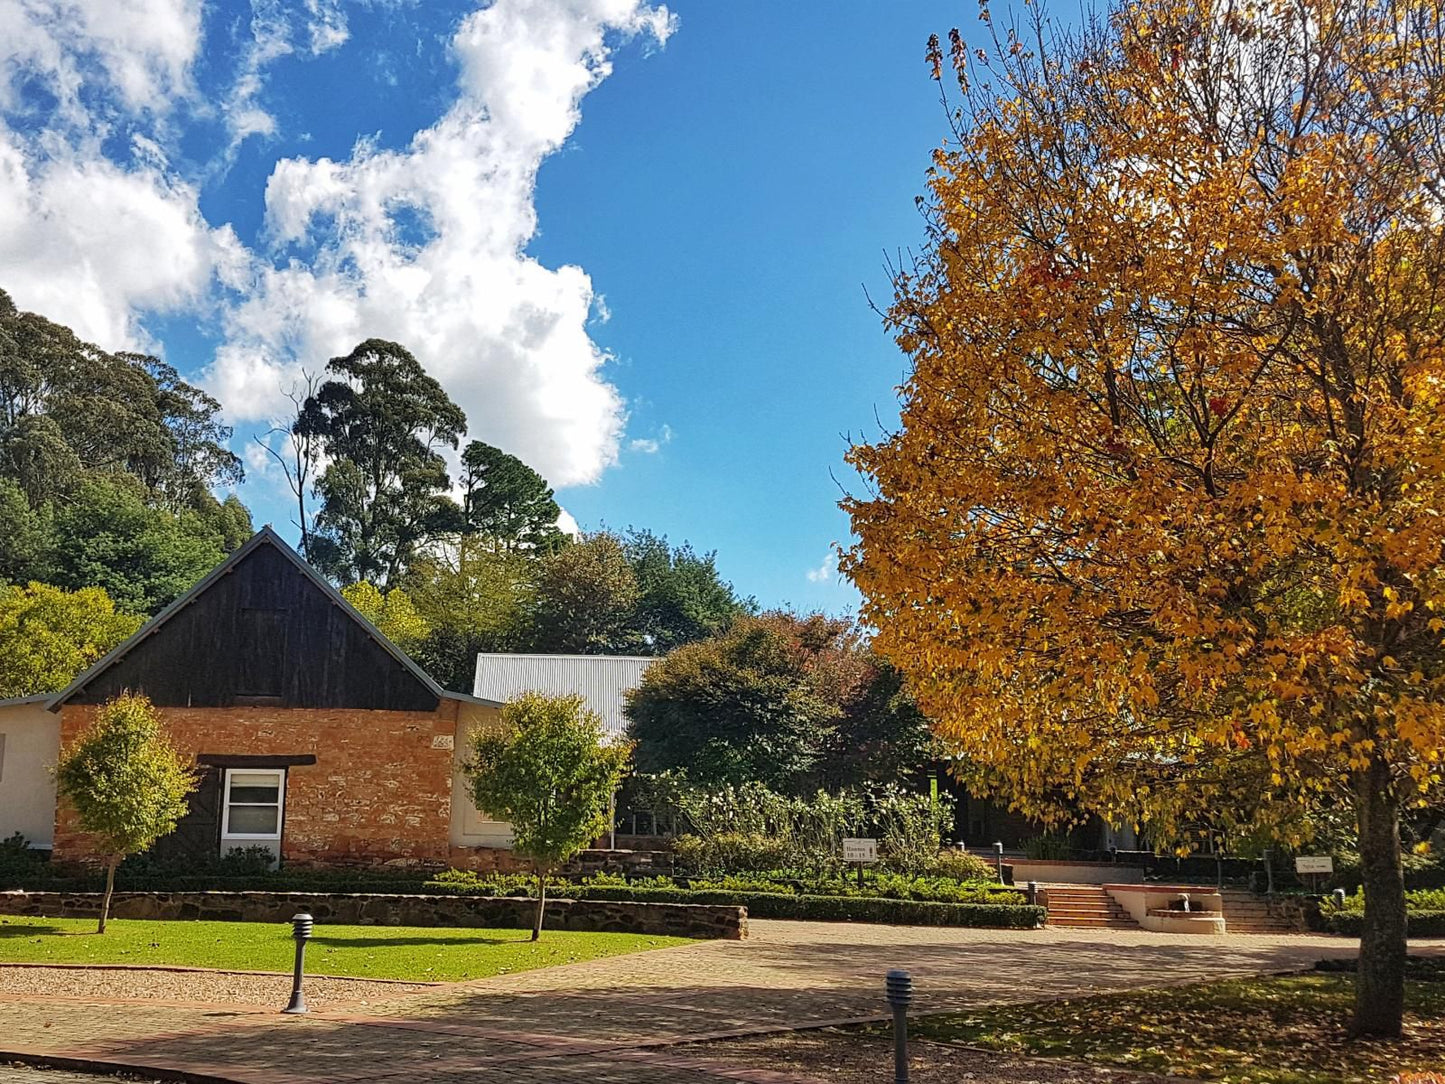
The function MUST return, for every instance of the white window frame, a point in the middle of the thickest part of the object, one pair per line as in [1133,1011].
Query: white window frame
[228,836]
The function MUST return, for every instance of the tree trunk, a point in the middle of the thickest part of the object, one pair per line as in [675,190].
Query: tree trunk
[541,903]
[1380,983]
[109,891]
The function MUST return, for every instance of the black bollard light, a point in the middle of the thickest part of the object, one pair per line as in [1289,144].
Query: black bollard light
[998,859]
[301,930]
[1033,893]
[900,992]
[1339,894]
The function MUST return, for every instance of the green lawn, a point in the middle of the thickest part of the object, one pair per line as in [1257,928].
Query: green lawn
[372,952]
[1263,1031]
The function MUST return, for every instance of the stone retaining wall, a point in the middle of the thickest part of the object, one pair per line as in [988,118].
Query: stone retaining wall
[504,912]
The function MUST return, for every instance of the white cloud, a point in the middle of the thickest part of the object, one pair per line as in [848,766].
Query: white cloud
[424,244]
[277,30]
[91,244]
[825,571]
[567,524]
[651,445]
[140,51]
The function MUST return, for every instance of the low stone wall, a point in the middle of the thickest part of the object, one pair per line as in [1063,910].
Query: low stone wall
[504,912]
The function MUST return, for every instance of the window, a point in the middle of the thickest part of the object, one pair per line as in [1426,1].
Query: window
[253,807]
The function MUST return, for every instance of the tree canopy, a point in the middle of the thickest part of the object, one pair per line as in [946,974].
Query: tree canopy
[791,702]
[1162,511]
[548,772]
[107,466]
[48,636]
[381,421]
[125,781]
[506,501]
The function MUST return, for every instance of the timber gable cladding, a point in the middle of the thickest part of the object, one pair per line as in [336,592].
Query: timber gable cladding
[261,632]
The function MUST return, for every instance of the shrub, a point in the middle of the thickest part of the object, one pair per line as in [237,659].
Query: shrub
[1048,847]
[837,908]
[1417,923]
[962,866]
[732,852]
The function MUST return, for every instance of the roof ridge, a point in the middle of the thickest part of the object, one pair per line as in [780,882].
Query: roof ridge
[266,535]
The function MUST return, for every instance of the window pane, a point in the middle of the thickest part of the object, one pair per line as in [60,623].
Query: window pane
[254,795]
[253,820]
[255,779]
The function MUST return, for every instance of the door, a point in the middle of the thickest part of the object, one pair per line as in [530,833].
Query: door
[255,800]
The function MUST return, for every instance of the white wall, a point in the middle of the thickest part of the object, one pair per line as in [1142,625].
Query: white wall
[471,828]
[31,737]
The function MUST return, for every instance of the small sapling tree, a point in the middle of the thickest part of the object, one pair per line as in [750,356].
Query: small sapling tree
[549,772]
[126,781]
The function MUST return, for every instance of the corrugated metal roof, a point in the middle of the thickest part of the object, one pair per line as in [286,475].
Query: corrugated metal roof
[601,679]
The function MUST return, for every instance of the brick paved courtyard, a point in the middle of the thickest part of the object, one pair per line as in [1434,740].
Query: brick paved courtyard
[620,1019]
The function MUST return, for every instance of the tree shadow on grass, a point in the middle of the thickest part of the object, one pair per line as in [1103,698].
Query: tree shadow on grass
[398,942]
[7,930]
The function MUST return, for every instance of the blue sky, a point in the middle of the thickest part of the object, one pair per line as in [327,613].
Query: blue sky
[632,241]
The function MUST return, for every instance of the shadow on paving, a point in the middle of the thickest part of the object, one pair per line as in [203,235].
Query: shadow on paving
[489,1032]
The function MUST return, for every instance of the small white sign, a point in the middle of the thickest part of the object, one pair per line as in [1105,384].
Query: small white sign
[860,850]
[1305,863]
[442,741]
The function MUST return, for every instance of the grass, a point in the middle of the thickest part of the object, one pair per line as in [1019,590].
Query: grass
[1287,1030]
[371,952]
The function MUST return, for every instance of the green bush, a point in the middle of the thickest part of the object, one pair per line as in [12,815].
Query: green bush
[1416,899]
[19,864]
[750,828]
[1048,847]
[732,852]
[1417,923]
[962,866]
[836,908]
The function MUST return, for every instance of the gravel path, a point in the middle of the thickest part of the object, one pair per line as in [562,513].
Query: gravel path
[31,1074]
[206,987]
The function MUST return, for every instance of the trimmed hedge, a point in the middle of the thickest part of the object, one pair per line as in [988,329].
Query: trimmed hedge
[835,908]
[1417,923]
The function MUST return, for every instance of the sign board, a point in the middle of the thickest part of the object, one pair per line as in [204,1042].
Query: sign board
[1314,864]
[860,850]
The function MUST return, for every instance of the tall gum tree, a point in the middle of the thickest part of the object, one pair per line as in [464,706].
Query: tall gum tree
[1162,521]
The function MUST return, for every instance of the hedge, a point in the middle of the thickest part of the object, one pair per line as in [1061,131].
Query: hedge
[834,908]
[1417,923]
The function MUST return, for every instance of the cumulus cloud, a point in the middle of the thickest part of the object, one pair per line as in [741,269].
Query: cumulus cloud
[424,244]
[825,571]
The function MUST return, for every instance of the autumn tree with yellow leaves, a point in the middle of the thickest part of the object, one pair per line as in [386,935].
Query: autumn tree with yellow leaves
[1161,528]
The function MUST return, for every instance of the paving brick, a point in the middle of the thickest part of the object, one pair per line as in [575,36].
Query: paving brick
[622,1018]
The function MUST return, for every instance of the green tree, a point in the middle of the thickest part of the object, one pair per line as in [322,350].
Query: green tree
[69,408]
[381,421]
[27,536]
[760,702]
[474,598]
[681,598]
[144,556]
[392,612]
[48,636]
[586,596]
[126,782]
[549,773]
[507,501]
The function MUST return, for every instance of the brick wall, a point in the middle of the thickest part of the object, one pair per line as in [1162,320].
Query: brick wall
[378,794]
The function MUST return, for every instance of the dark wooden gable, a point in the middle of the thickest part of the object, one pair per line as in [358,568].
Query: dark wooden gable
[263,633]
